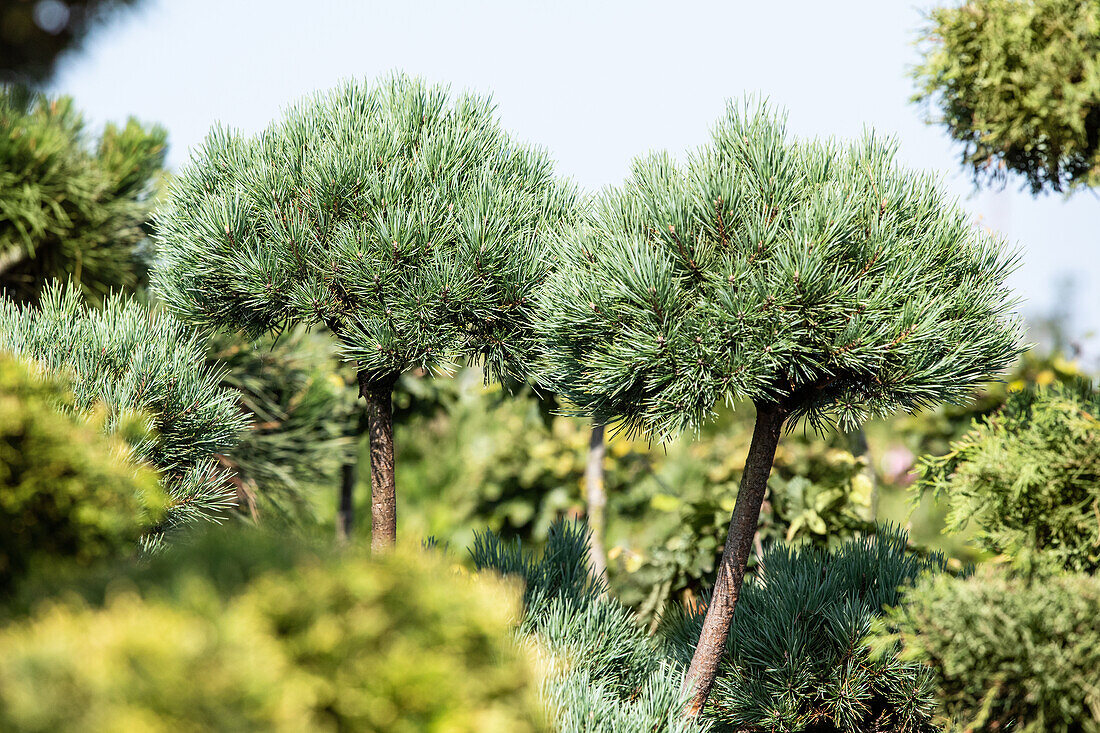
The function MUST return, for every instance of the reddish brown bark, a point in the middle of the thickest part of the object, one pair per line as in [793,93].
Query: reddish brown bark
[731,570]
[378,394]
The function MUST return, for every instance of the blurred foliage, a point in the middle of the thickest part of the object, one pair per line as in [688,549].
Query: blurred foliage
[1009,653]
[72,207]
[818,493]
[34,34]
[1028,478]
[506,461]
[68,493]
[302,422]
[1018,85]
[251,631]
[794,659]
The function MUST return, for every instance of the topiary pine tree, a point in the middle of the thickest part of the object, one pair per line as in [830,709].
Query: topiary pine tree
[819,280]
[397,215]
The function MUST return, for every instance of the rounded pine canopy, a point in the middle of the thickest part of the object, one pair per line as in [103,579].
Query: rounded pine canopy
[809,274]
[397,214]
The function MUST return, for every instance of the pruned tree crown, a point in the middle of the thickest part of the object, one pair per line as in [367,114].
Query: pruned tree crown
[818,276]
[398,214]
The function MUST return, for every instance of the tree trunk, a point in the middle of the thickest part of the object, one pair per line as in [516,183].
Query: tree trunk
[597,501]
[731,570]
[345,513]
[378,394]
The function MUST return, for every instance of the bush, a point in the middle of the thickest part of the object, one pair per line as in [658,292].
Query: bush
[1028,477]
[66,491]
[794,658]
[327,643]
[1009,653]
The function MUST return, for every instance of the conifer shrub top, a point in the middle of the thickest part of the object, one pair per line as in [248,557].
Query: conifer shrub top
[133,362]
[795,658]
[67,493]
[1028,478]
[1008,653]
[397,214]
[240,633]
[809,273]
[1015,82]
[71,206]
[603,674]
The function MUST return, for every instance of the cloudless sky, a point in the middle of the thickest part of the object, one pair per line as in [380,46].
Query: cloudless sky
[597,83]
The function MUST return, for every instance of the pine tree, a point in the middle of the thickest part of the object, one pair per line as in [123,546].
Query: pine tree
[137,363]
[298,415]
[72,207]
[1016,83]
[399,216]
[819,280]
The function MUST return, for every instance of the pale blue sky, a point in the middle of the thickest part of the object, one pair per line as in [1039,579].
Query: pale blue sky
[595,82]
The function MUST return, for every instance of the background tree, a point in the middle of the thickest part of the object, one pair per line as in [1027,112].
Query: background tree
[72,207]
[1016,83]
[134,363]
[399,217]
[819,281]
[298,412]
[33,35]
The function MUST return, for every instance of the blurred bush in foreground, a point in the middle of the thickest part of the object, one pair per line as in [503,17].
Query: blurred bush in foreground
[239,632]
[68,493]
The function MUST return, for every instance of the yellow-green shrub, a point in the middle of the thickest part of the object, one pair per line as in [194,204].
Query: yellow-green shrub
[398,643]
[66,491]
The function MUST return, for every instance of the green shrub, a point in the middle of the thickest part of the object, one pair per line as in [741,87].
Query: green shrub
[603,673]
[794,658]
[1028,477]
[66,491]
[272,640]
[1009,653]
